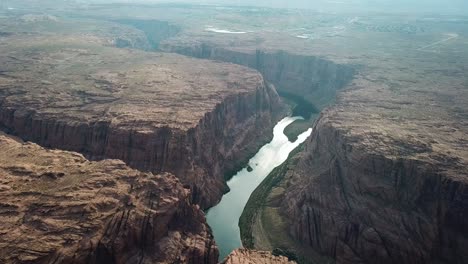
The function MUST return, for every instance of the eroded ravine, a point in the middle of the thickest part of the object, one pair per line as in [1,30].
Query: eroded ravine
[224,217]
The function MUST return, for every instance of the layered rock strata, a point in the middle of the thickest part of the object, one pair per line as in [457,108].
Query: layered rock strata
[355,199]
[157,112]
[58,207]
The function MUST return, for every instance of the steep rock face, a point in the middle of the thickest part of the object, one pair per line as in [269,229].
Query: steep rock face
[313,78]
[155,30]
[156,112]
[357,204]
[245,256]
[58,207]
[226,137]
[199,156]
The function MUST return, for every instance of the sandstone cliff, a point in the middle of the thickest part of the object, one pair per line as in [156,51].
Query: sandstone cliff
[156,112]
[58,207]
[315,79]
[355,202]
[245,256]
[200,156]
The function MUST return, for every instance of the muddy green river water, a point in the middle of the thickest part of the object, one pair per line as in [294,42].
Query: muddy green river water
[224,217]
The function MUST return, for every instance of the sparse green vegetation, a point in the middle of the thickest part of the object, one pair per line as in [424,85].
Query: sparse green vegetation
[258,200]
[298,127]
[262,211]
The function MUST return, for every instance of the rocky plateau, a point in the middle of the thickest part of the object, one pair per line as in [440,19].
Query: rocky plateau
[156,112]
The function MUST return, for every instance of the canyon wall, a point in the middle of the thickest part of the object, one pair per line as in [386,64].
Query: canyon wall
[200,156]
[58,207]
[358,204]
[154,30]
[315,79]
[351,201]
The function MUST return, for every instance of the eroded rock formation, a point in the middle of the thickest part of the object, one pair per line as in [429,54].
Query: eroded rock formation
[246,256]
[356,200]
[58,207]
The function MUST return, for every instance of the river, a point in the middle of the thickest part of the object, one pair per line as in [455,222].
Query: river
[224,217]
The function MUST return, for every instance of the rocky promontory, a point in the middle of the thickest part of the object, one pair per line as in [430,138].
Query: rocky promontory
[58,207]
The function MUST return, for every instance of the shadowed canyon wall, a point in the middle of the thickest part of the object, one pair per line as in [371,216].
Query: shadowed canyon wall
[315,79]
[356,205]
[200,156]
[155,31]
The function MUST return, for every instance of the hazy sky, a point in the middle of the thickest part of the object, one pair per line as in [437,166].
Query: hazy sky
[433,6]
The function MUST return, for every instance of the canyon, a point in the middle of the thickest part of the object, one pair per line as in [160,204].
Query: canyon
[224,217]
[199,129]
[315,79]
[382,177]
[190,126]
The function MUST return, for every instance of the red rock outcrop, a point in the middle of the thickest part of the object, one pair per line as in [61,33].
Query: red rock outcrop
[246,256]
[58,207]
[353,200]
